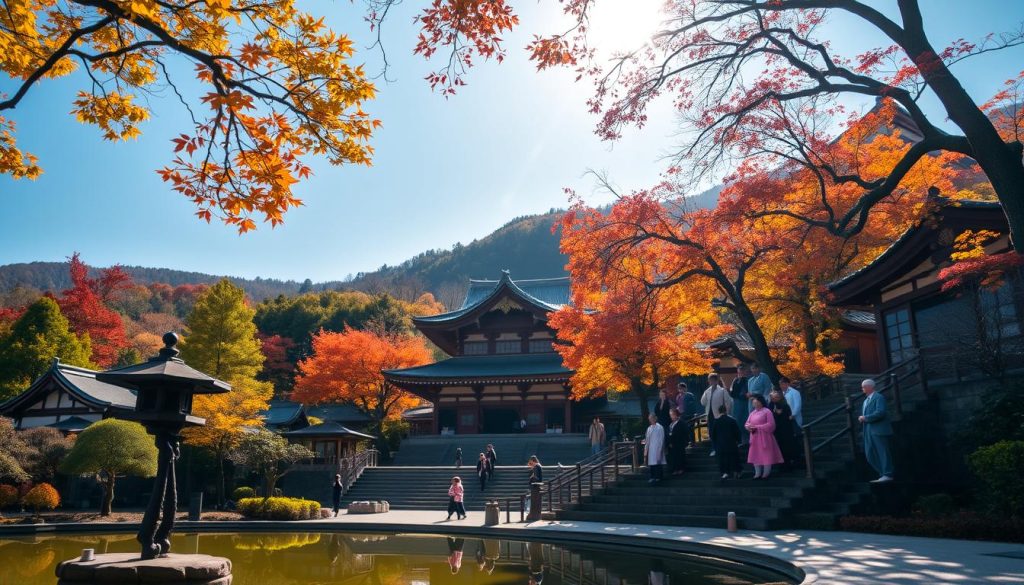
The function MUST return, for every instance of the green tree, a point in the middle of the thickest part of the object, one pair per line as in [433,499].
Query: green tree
[110,448]
[13,454]
[46,449]
[222,338]
[39,335]
[269,455]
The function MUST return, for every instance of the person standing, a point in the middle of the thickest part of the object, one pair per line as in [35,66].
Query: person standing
[783,418]
[654,449]
[492,461]
[686,402]
[740,400]
[483,470]
[676,444]
[759,383]
[764,451]
[458,457]
[877,432]
[726,445]
[662,407]
[336,489]
[796,404]
[712,400]
[455,503]
[597,436]
[536,469]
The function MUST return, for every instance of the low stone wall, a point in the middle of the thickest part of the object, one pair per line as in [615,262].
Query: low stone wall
[367,507]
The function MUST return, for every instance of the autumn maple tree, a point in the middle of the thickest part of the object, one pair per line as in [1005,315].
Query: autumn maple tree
[618,333]
[83,305]
[346,367]
[279,86]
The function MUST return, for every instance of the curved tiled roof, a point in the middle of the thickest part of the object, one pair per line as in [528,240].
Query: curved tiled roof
[80,383]
[508,368]
[548,294]
[328,429]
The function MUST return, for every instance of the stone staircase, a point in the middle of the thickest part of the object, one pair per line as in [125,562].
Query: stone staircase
[439,450]
[426,488]
[701,498]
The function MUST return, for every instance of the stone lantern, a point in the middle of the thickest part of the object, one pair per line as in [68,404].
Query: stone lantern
[165,386]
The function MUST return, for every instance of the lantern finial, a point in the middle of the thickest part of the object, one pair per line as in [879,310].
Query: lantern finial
[169,351]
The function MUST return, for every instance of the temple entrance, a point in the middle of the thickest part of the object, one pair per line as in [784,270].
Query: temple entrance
[500,420]
[446,419]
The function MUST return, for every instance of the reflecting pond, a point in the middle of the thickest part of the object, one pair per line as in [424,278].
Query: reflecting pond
[396,559]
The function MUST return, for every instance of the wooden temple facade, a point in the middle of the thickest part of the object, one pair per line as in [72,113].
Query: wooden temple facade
[503,367]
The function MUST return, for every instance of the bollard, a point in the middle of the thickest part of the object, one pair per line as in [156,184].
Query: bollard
[195,506]
[731,522]
[87,554]
[492,513]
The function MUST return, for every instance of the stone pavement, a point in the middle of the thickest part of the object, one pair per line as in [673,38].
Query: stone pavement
[826,557]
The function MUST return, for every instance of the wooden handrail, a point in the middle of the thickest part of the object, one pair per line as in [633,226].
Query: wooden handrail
[889,380]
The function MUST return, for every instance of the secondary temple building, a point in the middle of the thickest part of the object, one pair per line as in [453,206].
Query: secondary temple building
[503,367]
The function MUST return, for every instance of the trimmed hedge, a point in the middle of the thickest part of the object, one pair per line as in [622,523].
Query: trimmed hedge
[243,492]
[1000,468]
[962,525]
[279,508]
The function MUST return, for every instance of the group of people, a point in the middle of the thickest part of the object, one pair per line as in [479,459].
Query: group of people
[485,467]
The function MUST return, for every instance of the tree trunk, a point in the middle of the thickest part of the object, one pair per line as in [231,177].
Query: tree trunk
[220,481]
[1001,161]
[108,494]
[640,390]
[757,338]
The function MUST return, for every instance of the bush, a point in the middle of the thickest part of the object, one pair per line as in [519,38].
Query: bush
[42,497]
[8,496]
[242,493]
[962,525]
[279,508]
[934,505]
[1000,467]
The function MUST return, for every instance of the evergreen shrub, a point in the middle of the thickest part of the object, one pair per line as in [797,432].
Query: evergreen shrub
[279,508]
[243,492]
[1000,468]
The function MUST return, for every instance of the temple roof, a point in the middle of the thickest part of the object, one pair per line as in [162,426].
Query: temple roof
[80,383]
[546,294]
[328,429]
[282,413]
[338,412]
[914,245]
[72,424]
[484,369]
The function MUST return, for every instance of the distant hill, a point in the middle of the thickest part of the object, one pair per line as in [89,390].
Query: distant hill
[526,246]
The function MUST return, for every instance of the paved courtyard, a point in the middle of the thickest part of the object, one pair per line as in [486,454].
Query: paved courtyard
[826,557]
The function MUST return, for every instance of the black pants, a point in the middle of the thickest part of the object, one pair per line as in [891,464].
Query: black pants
[457,508]
[337,503]
[483,481]
[657,471]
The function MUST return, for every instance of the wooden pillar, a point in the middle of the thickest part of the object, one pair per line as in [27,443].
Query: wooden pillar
[478,393]
[568,410]
[436,416]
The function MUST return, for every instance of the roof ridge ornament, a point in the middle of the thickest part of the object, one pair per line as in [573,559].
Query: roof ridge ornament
[169,351]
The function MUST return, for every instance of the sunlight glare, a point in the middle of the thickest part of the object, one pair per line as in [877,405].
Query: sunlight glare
[624,25]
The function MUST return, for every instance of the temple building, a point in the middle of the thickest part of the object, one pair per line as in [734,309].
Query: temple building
[503,367]
[67,398]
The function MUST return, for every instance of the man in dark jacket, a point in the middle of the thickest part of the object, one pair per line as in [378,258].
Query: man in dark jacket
[740,402]
[676,444]
[492,460]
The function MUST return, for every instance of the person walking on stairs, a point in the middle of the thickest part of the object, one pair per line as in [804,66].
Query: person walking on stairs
[597,436]
[784,436]
[677,441]
[492,460]
[686,402]
[726,445]
[713,399]
[764,451]
[455,503]
[654,449]
[483,467]
[458,457]
[741,400]
[336,489]
[877,432]
[661,409]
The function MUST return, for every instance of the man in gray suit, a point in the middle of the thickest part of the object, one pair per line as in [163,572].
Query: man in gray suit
[877,432]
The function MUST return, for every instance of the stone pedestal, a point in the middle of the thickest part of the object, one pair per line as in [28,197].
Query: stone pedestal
[128,568]
[374,507]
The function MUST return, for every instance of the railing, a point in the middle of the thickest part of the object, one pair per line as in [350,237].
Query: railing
[572,483]
[351,468]
[893,382]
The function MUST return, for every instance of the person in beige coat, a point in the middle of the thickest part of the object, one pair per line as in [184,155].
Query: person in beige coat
[712,400]
[597,436]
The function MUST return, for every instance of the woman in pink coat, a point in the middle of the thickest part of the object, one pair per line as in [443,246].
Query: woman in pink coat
[764,451]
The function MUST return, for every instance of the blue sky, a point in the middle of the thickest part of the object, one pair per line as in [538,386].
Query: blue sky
[445,171]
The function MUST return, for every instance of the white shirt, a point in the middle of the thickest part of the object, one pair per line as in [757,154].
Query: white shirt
[796,404]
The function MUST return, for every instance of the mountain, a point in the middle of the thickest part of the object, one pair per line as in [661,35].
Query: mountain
[526,246]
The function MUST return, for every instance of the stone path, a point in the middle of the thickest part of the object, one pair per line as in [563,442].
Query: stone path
[827,557]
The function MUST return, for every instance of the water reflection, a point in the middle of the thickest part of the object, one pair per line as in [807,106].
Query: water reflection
[310,558]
